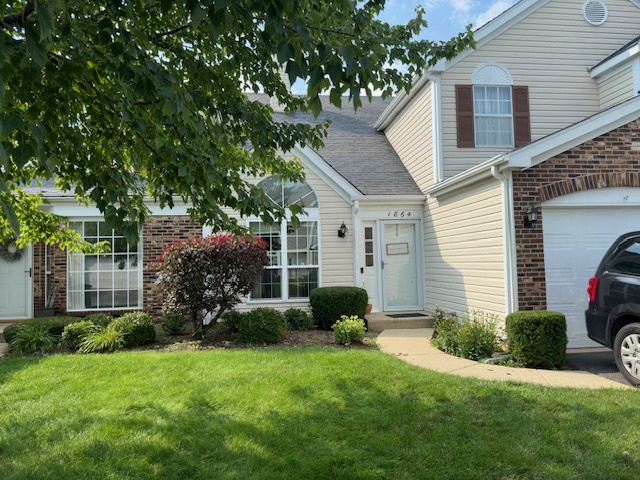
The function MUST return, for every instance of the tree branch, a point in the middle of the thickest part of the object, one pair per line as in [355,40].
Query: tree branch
[18,18]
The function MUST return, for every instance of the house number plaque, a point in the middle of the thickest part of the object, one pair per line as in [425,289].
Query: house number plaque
[399,214]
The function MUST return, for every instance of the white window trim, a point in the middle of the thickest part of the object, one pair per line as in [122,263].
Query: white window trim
[312,215]
[140,274]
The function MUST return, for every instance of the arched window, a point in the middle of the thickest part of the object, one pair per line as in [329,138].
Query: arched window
[492,106]
[492,111]
[294,254]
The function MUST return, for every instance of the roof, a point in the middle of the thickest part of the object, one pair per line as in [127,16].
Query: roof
[356,151]
[626,47]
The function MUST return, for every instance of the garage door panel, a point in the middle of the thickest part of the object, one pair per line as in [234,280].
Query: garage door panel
[575,240]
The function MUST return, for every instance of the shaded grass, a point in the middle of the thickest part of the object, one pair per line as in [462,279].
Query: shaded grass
[299,413]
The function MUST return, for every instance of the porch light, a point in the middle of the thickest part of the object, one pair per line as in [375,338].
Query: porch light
[531,217]
[342,231]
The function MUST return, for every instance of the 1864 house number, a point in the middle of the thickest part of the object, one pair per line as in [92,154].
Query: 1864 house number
[399,214]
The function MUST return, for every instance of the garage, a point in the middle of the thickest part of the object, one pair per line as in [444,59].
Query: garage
[577,230]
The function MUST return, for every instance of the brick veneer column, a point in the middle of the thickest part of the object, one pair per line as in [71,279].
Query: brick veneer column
[610,160]
[156,234]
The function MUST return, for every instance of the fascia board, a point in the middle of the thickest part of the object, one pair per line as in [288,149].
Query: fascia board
[565,139]
[322,169]
[69,207]
[468,177]
[384,200]
[618,60]
[491,30]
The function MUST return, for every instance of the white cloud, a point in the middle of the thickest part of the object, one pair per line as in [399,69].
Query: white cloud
[462,6]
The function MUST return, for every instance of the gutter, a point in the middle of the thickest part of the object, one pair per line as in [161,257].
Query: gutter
[474,174]
[508,239]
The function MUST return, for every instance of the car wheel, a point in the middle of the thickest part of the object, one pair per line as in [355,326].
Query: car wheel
[626,350]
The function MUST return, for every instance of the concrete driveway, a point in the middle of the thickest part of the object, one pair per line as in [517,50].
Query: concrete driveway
[595,360]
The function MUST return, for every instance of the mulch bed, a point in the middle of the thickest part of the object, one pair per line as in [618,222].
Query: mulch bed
[293,339]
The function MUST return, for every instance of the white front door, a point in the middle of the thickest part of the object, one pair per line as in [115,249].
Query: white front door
[401,266]
[16,287]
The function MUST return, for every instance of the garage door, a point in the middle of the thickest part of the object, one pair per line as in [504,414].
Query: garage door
[575,239]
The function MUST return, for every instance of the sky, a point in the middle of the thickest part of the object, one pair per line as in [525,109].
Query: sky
[446,18]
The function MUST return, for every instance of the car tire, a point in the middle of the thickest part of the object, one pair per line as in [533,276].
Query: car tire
[626,350]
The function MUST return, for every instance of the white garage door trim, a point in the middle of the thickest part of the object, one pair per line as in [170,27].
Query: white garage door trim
[577,231]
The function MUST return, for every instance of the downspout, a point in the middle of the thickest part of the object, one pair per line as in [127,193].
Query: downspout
[436,128]
[508,238]
[355,225]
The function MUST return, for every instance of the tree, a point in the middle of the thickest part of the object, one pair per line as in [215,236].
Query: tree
[129,99]
[209,275]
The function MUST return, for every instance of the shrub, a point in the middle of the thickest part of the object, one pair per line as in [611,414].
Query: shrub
[297,319]
[105,339]
[348,330]
[478,335]
[173,324]
[474,338]
[53,325]
[537,338]
[31,338]
[262,325]
[210,275]
[101,319]
[231,321]
[328,304]
[137,328]
[74,333]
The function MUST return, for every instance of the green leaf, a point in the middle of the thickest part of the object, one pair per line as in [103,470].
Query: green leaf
[36,50]
[45,13]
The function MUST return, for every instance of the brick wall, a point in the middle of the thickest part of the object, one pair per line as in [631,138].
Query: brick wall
[156,233]
[610,160]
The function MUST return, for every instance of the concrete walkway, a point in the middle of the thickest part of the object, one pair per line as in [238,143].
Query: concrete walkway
[413,346]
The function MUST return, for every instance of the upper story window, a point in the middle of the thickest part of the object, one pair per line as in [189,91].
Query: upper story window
[491,112]
[106,281]
[293,251]
[493,116]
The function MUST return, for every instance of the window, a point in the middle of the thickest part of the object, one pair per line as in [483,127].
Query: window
[493,117]
[491,112]
[293,252]
[107,281]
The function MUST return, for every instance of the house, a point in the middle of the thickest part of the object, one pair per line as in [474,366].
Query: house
[433,187]
[543,116]
[356,181]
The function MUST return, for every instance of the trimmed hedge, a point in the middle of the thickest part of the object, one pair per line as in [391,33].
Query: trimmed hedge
[137,328]
[537,338]
[298,319]
[328,304]
[262,326]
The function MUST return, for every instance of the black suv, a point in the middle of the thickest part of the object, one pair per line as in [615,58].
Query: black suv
[613,316]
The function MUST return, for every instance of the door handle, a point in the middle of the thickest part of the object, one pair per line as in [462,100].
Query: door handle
[30,271]
[382,264]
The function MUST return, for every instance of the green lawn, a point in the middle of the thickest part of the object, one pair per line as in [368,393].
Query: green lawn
[307,413]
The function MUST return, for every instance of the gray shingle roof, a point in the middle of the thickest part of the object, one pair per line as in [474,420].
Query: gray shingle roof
[354,149]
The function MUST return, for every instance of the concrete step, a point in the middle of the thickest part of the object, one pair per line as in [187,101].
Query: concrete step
[380,321]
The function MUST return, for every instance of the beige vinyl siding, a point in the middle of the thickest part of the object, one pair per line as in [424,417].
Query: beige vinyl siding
[336,254]
[550,52]
[464,250]
[411,135]
[617,88]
